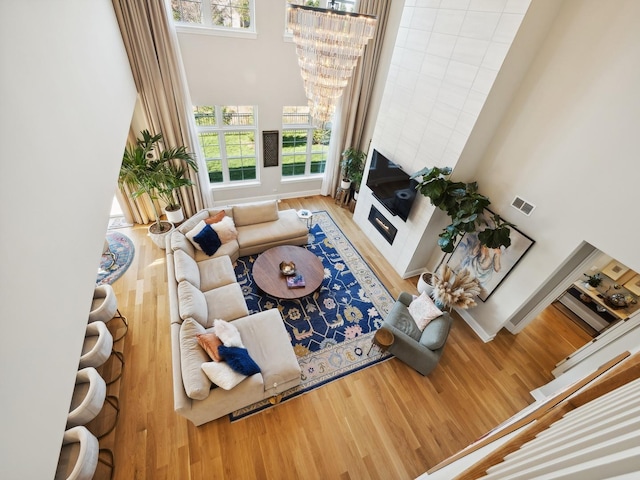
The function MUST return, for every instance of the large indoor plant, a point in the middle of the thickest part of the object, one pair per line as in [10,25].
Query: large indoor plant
[465,208]
[352,164]
[169,190]
[148,169]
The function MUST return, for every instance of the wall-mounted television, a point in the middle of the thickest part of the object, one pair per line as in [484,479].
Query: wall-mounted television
[391,185]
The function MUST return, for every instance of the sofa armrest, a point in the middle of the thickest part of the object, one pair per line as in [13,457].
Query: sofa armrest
[435,335]
[405,298]
[181,403]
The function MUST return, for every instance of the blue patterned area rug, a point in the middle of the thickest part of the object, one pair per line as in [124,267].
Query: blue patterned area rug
[331,330]
[113,265]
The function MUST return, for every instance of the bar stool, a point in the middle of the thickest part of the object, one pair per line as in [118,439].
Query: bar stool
[89,396]
[80,454]
[104,308]
[98,348]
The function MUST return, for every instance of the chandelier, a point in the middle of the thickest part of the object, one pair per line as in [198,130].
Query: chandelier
[328,45]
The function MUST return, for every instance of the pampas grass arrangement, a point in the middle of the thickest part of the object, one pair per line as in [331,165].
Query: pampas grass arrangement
[455,290]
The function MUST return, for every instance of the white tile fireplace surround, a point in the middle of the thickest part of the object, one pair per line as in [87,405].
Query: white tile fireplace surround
[444,65]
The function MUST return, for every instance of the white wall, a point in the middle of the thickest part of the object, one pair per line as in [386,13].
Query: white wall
[260,71]
[67,97]
[568,144]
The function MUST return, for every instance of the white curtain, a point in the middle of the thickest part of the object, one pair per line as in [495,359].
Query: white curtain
[351,114]
[154,56]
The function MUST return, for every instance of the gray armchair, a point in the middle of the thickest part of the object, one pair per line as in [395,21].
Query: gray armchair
[419,350]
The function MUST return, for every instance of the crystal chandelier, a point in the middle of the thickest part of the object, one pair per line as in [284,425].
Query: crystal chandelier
[328,44]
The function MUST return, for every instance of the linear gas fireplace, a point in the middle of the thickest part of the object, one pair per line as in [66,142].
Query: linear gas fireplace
[383,225]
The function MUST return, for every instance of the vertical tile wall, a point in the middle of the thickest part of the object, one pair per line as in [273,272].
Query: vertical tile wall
[446,58]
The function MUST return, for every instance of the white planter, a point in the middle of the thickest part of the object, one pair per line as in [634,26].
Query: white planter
[355,196]
[345,184]
[159,238]
[423,283]
[174,216]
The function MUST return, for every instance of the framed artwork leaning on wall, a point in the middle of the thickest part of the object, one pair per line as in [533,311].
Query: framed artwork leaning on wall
[490,265]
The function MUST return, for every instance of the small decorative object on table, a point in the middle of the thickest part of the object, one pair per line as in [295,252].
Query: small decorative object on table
[296,281]
[287,268]
[593,281]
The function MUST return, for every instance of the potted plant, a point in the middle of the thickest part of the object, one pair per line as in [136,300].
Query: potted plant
[593,281]
[169,191]
[147,170]
[352,166]
[465,207]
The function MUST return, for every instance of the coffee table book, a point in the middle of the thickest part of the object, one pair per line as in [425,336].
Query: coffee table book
[296,281]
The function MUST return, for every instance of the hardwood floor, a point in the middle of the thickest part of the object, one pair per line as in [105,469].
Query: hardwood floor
[385,422]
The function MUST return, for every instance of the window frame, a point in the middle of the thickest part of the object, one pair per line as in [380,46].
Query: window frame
[205,27]
[310,130]
[220,128]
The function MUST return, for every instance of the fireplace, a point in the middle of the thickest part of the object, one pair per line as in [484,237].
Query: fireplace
[386,229]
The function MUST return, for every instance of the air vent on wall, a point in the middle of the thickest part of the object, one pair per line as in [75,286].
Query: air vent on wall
[522,205]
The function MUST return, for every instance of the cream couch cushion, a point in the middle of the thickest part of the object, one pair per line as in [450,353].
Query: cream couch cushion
[225,303]
[252,213]
[189,224]
[205,275]
[193,304]
[180,242]
[196,383]
[186,268]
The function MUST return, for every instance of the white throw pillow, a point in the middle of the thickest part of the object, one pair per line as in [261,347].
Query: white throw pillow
[423,310]
[226,230]
[222,374]
[227,333]
[195,231]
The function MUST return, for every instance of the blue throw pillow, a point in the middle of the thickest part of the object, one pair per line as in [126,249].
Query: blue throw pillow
[209,240]
[239,360]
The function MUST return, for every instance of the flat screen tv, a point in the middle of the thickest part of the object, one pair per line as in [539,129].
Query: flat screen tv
[391,185]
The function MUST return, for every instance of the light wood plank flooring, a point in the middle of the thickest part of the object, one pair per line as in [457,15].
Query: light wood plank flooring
[386,422]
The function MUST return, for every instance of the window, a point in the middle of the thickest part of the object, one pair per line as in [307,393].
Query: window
[304,148]
[227,14]
[227,142]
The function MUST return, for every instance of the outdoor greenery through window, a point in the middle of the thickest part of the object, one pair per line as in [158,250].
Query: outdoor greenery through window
[227,140]
[233,14]
[304,148]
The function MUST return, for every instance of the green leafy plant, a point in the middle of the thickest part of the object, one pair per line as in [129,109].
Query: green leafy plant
[148,169]
[464,206]
[352,164]
[593,280]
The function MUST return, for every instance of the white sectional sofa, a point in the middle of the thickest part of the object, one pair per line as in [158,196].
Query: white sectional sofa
[204,288]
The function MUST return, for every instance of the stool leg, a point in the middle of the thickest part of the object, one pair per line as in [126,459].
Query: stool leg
[120,357]
[126,324]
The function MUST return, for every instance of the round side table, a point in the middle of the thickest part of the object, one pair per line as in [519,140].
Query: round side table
[382,339]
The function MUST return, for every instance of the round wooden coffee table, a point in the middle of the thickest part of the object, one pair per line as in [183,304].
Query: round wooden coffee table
[267,275]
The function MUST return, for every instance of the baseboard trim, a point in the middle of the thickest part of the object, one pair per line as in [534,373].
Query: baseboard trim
[475,326]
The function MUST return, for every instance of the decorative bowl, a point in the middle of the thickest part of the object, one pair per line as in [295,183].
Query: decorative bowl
[287,268]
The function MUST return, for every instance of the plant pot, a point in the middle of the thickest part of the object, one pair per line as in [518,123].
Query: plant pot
[175,215]
[345,184]
[355,195]
[158,237]
[424,283]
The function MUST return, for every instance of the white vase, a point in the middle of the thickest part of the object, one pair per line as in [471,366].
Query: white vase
[174,216]
[345,184]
